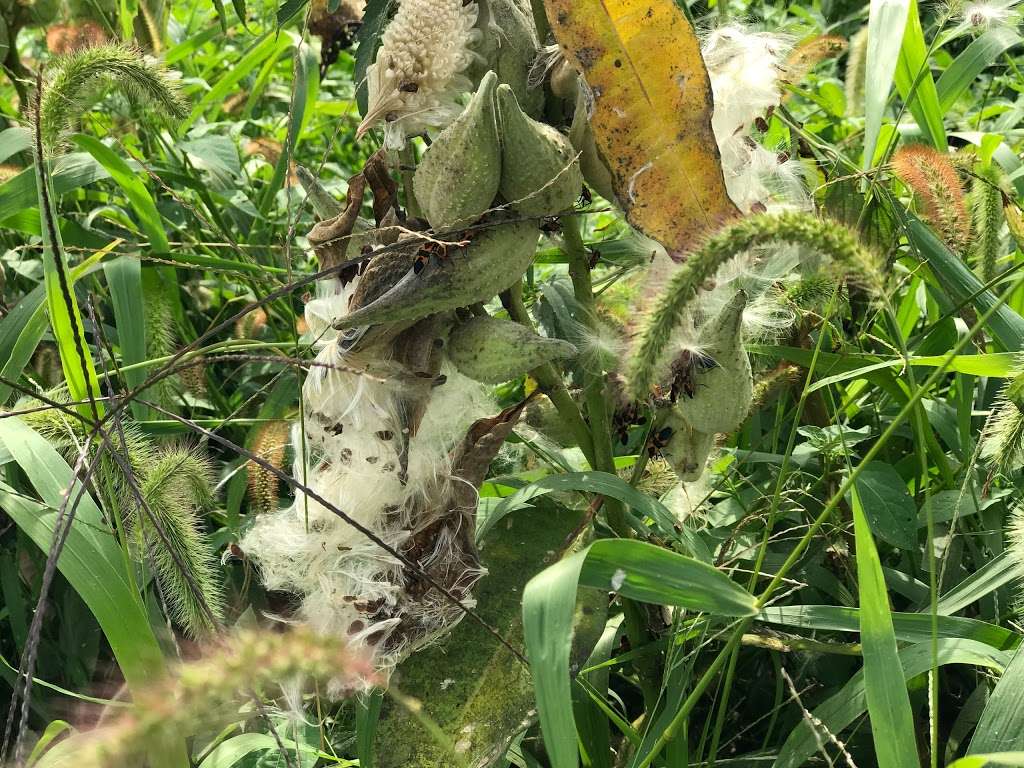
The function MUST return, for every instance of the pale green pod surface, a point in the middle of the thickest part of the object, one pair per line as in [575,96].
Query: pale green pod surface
[595,172]
[723,393]
[492,351]
[457,180]
[492,262]
[540,173]
[509,46]
[687,449]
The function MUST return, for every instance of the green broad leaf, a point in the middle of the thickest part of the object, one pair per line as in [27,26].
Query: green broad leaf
[963,286]
[887,21]
[1001,727]
[914,81]
[234,750]
[892,722]
[995,758]
[130,183]
[887,505]
[604,484]
[974,59]
[67,173]
[909,627]
[839,711]
[634,569]
[20,352]
[476,693]
[13,141]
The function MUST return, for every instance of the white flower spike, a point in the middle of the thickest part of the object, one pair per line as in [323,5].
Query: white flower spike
[418,74]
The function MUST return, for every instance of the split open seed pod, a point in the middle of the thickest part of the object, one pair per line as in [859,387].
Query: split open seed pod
[723,391]
[494,260]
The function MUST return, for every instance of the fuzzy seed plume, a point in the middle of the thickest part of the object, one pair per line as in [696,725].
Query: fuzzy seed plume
[932,177]
[419,70]
[820,235]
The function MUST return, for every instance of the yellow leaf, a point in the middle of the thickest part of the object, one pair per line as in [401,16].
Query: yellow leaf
[652,113]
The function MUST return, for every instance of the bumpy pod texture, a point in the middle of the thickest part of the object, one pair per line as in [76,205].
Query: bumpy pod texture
[824,237]
[495,259]
[721,393]
[593,167]
[418,72]
[492,351]
[457,180]
[540,173]
[509,47]
[932,177]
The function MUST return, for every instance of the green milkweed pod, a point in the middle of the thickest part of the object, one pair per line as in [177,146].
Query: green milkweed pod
[593,167]
[492,351]
[493,261]
[723,392]
[509,47]
[457,180]
[540,173]
[687,449]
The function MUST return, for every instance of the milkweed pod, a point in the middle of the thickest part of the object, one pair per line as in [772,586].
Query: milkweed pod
[492,351]
[325,206]
[723,391]
[509,46]
[494,260]
[457,180]
[595,172]
[540,173]
[687,449]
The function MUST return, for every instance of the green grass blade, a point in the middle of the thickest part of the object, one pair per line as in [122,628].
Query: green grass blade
[886,23]
[635,570]
[136,192]
[909,627]
[892,722]
[840,710]
[124,278]
[963,286]
[915,84]
[994,574]
[1001,727]
[972,62]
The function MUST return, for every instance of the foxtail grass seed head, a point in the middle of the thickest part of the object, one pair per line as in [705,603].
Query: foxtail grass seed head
[809,54]
[540,173]
[218,688]
[1002,441]
[76,80]
[270,444]
[856,72]
[177,488]
[457,179]
[828,238]
[932,177]
[1015,548]
[420,68]
[987,220]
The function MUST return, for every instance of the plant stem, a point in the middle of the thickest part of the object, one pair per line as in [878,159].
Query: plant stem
[550,382]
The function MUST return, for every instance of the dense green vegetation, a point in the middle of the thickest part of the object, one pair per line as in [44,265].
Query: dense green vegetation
[451,384]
